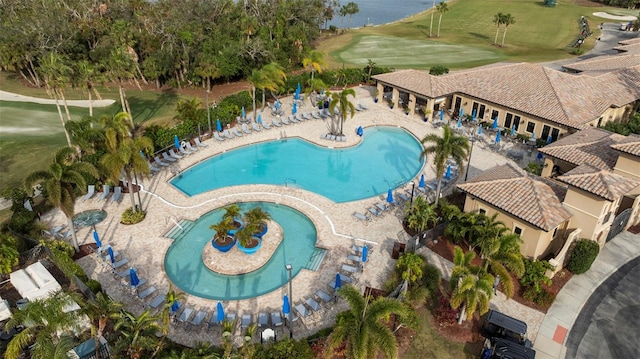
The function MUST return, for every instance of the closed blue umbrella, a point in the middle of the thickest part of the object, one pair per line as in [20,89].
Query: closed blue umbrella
[447,175]
[175,306]
[549,139]
[97,238]
[110,251]
[360,131]
[495,123]
[286,306]
[218,125]
[295,108]
[473,115]
[243,113]
[533,136]
[259,120]
[298,89]
[539,156]
[441,115]
[176,141]
[338,284]
[220,313]
[390,196]
[513,130]
[421,184]
[480,129]
[133,277]
[459,124]
[365,252]
[498,137]
[277,105]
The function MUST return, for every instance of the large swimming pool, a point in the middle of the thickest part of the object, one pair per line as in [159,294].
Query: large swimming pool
[183,260]
[386,157]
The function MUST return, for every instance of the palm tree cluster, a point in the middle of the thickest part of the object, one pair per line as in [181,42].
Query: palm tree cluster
[500,19]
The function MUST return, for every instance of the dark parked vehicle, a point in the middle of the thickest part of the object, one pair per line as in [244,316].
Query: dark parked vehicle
[505,349]
[501,326]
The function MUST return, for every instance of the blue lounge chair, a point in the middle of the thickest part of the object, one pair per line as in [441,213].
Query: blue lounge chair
[197,320]
[276,319]
[266,125]
[263,319]
[246,321]
[117,194]
[91,190]
[217,137]
[106,190]
[184,151]
[173,154]
[191,148]
[168,158]
[245,129]
[159,162]
[292,119]
[236,132]
[147,292]
[185,315]
[197,139]
[157,301]
[255,127]
[276,122]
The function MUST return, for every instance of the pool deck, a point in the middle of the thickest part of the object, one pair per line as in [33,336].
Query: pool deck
[144,245]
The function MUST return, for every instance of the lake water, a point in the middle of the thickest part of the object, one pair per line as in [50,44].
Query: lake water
[378,12]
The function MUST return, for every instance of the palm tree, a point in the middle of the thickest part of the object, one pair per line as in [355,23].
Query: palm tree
[462,265]
[497,20]
[507,20]
[410,265]
[55,73]
[169,299]
[137,334]
[54,350]
[42,320]
[420,215]
[441,8]
[277,77]
[64,176]
[341,101]
[101,310]
[431,25]
[123,154]
[362,326]
[448,146]
[85,75]
[473,292]
[314,61]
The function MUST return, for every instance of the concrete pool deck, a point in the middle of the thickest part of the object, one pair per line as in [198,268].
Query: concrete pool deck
[144,245]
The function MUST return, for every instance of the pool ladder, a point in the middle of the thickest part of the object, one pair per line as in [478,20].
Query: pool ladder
[283,135]
[286,181]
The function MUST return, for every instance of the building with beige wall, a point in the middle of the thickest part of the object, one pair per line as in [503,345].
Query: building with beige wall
[533,99]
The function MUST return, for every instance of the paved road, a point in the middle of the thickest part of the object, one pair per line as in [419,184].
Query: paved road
[609,324]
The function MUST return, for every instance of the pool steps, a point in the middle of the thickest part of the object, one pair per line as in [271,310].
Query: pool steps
[316,259]
[180,229]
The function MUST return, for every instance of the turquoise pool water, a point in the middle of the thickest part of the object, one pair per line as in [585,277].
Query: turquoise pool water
[385,158]
[183,261]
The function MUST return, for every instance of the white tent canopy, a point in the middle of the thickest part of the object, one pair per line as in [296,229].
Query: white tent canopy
[34,282]
[5,312]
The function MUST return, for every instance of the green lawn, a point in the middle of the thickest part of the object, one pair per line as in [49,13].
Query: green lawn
[466,36]
[31,133]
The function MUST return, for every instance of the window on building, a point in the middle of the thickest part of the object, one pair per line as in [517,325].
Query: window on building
[554,134]
[555,231]
[517,230]
[482,211]
[456,107]
[516,122]
[545,132]
[494,114]
[481,111]
[531,126]
[474,108]
[507,120]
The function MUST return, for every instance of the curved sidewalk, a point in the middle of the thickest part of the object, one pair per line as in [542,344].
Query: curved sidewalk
[560,318]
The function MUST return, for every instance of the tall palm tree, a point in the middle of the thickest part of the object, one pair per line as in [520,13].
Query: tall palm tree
[472,292]
[55,73]
[171,297]
[101,311]
[410,266]
[42,320]
[497,20]
[441,8]
[420,215]
[507,20]
[314,61]
[54,350]
[61,181]
[450,145]
[123,155]
[362,326]
[85,75]
[341,101]
[431,25]
[277,77]
[137,333]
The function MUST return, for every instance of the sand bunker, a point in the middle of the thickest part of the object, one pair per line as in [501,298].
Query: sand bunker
[605,15]
[8,96]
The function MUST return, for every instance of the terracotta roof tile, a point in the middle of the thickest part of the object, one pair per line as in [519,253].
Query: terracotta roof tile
[630,145]
[591,145]
[567,99]
[602,183]
[531,198]
[606,63]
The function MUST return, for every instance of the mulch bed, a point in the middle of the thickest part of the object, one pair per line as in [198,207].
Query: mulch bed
[444,248]
[85,250]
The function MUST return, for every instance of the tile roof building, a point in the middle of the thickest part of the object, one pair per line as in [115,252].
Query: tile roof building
[531,98]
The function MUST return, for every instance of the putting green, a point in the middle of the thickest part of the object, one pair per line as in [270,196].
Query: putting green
[411,53]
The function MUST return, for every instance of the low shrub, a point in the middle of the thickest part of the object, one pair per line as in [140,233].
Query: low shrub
[583,255]
[541,297]
[131,217]
[442,311]
[94,285]
[431,278]
[534,273]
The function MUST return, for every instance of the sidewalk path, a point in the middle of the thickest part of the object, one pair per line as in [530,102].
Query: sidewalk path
[560,319]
